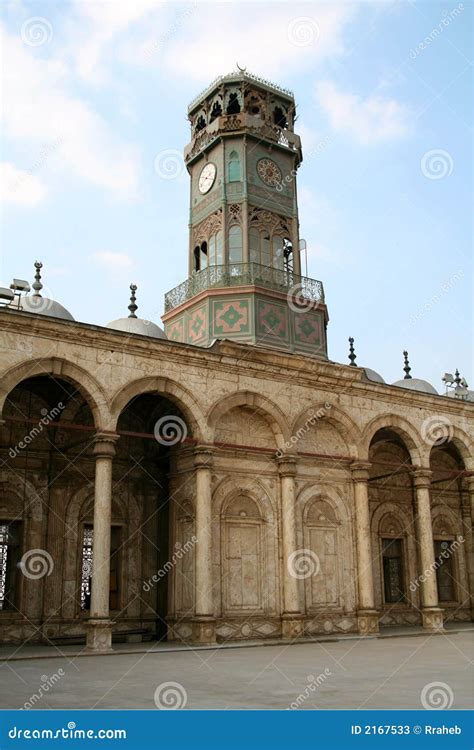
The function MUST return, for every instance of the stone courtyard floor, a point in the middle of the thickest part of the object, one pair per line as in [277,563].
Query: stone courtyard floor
[349,673]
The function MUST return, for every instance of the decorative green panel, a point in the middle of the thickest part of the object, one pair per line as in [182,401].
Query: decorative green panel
[272,321]
[175,330]
[231,316]
[197,324]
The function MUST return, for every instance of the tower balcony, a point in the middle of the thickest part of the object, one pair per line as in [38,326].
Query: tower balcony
[239,123]
[245,274]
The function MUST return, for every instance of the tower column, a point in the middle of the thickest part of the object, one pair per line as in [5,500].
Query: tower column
[432,615]
[245,208]
[292,624]
[204,624]
[99,625]
[367,617]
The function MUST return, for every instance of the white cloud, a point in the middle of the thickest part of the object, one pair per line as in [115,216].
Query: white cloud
[39,108]
[18,186]
[115,263]
[208,39]
[96,26]
[368,120]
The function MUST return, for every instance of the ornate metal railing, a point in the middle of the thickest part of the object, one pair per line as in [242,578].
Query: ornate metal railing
[242,274]
[241,122]
[238,74]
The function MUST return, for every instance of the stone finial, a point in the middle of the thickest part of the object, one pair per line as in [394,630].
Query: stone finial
[407,367]
[133,307]
[352,354]
[37,285]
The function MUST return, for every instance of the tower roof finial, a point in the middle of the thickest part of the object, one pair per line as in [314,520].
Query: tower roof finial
[132,306]
[37,285]
[352,354]
[407,367]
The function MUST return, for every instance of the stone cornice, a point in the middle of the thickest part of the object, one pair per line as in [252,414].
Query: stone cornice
[229,356]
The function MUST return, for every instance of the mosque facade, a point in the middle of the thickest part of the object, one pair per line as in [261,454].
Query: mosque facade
[219,477]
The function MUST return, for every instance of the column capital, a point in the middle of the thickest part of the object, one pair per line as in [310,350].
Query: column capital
[422,478]
[287,465]
[104,444]
[470,481]
[360,471]
[203,456]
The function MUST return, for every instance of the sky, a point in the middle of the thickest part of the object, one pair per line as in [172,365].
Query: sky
[93,107]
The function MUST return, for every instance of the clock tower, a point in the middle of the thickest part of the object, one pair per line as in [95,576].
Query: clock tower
[244,266]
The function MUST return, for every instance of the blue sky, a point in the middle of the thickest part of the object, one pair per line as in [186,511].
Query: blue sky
[93,93]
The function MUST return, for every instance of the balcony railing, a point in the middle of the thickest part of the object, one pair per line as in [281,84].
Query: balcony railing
[242,122]
[243,274]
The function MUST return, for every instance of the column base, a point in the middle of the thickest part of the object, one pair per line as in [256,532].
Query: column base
[292,626]
[204,630]
[99,636]
[432,619]
[367,622]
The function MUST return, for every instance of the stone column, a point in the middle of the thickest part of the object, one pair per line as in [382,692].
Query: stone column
[99,625]
[204,624]
[467,519]
[367,616]
[431,614]
[292,621]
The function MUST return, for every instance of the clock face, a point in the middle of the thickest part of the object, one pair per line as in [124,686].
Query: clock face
[269,172]
[207,177]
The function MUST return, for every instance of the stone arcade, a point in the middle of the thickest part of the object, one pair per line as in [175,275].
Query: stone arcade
[225,479]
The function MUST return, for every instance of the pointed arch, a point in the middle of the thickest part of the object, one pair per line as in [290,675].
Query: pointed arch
[330,413]
[408,434]
[463,444]
[167,388]
[260,404]
[92,392]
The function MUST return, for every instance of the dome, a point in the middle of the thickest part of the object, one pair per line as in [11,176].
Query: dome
[132,324]
[415,384]
[372,375]
[35,303]
[139,326]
